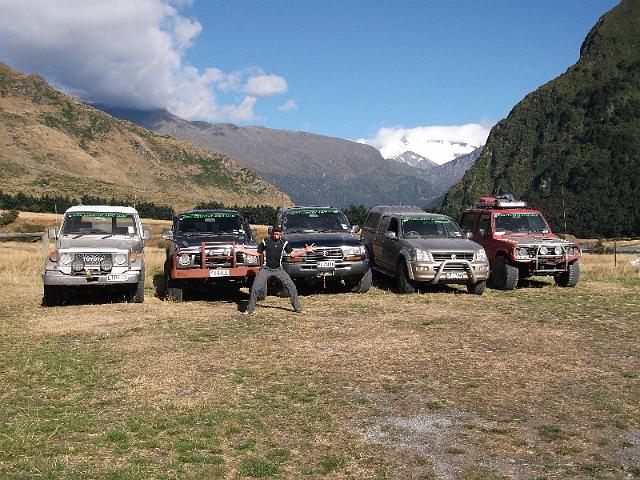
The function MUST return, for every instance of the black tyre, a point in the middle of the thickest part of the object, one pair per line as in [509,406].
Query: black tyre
[175,291]
[476,288]
[504,276]
[569,278]
[52,295]
[405,285]
[359,284]
[137,291]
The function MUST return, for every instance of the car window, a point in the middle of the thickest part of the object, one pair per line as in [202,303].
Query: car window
[372,220]
[430,226]
[467,221]
[484,225]
[103,223]
[315,220]
[393,225]
[210,223]
[384,224]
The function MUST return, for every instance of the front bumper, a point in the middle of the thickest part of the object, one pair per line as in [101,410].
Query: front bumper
[214,273]
[449,271]
[55,277]
[342,268]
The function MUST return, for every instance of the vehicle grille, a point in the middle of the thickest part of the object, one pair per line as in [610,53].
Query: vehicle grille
[441,256]
[93,259]
[324,253]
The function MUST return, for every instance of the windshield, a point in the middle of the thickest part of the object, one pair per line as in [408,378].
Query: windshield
[93,223]
[209,224]
[312,220]
[505,223]
[435,226]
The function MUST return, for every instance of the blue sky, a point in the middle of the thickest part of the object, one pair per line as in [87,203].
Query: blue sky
[341,68]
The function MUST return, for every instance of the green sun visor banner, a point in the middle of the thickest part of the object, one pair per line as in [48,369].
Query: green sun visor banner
[99,214]
[517,215]
[188,216]
[311,212]
[427,219]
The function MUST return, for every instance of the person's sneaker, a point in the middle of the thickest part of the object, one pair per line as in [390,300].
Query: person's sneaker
[297,310]
[247,313]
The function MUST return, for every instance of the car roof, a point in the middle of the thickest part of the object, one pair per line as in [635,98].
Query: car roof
[398,209]
[102,209]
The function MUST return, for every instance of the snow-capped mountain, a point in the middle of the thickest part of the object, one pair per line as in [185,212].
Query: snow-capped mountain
[434,151]
[415,160]
[439,144]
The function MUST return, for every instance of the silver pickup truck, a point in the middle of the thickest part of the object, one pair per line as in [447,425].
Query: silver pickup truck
[416,247]
[97,246]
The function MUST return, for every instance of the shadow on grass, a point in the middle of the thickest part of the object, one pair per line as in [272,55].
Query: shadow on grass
[383,282]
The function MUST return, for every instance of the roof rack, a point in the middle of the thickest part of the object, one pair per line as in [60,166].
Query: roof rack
[501,201]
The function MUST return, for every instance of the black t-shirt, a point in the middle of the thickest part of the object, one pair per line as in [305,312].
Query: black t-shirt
[274,251]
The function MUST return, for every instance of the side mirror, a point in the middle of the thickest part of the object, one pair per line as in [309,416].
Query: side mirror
[468,235]
[270,231]
[167,234]
[390,235]
[355,228]
[146,234]
[51,233]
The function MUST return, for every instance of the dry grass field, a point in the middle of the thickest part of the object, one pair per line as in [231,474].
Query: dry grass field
[537,383]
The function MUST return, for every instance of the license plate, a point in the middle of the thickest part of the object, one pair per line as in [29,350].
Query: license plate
[223,272]
[116,278]
[327,264]
[454,275]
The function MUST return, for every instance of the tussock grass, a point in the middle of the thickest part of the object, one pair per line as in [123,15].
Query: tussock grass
[540,382]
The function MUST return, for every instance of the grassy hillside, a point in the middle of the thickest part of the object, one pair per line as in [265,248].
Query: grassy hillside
[51,143]
[573,145]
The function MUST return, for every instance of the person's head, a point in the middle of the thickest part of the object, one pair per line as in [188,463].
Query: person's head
[276,232]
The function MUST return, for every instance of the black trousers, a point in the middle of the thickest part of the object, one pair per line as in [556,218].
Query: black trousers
[260,285]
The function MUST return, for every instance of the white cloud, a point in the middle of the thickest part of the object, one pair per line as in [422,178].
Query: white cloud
[266,85]
[125,53]
[288,106]
[243,112]
[437,143]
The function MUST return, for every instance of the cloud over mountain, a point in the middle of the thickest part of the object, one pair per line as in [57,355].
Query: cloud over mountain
[439,144]
[127,53]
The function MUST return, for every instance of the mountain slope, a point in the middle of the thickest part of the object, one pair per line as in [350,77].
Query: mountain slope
[414,160]
[573,146]
[312,169]
[53,144]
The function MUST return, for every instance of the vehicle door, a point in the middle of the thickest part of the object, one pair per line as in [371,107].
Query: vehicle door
[483,234]
[392,246]
[380,242]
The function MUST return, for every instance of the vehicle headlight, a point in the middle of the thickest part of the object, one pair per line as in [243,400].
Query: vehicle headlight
[544,250]
[251,259]
[481,255]
[119,259]
[66,259]
[558,250]
[357,250]
[77,265]
[106,265]
[521,252]
[184,259]
[422,256]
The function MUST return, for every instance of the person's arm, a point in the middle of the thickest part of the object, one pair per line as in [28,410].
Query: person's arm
[300,251]
[251,251]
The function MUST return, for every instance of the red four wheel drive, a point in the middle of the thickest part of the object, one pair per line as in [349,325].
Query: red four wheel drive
[519,243]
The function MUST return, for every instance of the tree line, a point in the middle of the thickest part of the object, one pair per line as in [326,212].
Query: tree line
[257,214]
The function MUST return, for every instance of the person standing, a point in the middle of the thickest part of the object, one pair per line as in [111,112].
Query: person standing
[274,247]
